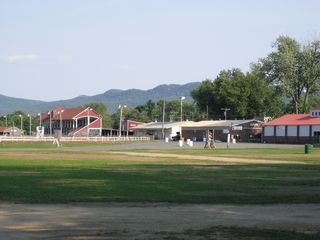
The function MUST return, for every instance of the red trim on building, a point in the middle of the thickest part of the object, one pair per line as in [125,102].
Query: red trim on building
[130,124]
[86,112]
[96,124]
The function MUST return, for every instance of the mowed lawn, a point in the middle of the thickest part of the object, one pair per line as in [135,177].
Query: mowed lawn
[51,176]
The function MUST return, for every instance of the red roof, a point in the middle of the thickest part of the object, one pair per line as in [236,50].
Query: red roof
[2,129]
[85,112]
[294,119]
[68,113]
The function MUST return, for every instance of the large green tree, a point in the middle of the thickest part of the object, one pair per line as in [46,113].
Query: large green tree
[154,111]
[294,69]
[245,94]
[205,98]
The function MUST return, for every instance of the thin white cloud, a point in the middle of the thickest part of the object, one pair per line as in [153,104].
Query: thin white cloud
[127,68]
[21,58]
[29,58]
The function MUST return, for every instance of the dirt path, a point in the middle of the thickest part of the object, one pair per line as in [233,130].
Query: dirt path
[146,221]
[212,158]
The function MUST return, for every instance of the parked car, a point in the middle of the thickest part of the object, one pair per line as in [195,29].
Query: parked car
[176,137]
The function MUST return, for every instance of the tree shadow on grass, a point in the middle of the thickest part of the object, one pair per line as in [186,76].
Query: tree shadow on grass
[237,184]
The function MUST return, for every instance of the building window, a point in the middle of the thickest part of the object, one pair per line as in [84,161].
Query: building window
[312,113]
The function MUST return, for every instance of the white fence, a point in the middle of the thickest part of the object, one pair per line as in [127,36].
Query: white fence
[73,139]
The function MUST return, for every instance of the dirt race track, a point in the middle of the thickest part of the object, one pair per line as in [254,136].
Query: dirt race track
[147,221]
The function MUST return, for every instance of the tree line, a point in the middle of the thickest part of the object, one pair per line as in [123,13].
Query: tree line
[150,111]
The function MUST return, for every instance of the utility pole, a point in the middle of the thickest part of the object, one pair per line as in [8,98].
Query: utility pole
[120,120]
[60,112]
[21,125]
[181,116]
[29,115]
[207,112]
[6,120]
[50,123]
[225,110]
[163,115]
[88,120]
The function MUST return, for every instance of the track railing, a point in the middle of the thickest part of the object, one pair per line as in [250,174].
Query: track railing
[72,139]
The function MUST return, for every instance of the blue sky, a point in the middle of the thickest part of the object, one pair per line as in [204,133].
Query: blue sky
[59,49]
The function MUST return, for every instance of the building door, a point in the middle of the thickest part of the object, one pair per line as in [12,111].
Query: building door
[316,137]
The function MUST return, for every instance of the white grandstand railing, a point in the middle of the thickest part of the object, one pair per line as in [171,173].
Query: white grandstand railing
[25,139]
[103,139]
[72,139]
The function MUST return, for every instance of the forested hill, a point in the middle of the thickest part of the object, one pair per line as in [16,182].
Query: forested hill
[112,98]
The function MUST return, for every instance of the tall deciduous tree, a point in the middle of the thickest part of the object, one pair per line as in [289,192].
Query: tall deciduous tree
[204,97]
[311,70]
[294,69]
[172,110]
[247,95]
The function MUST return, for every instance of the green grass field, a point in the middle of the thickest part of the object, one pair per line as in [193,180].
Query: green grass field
[48,176]
[38,173]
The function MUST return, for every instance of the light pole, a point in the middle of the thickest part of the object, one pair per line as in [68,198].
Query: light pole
[127,128]
[163,115]
[60,112]
[88,120]
[120,122]
[207,112]
[181,99]
[50,123]
[5,116]
[12,129]
[40,120]
[21,123]
[29,115]
[181,118]
[225,109]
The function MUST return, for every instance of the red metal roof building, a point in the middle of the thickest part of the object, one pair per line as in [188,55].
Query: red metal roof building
[127,126]
[71,122]
[294,128]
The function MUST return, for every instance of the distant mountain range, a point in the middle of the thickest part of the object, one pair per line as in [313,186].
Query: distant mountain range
[112,98]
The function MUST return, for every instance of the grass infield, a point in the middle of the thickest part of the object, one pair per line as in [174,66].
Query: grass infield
[48,176]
